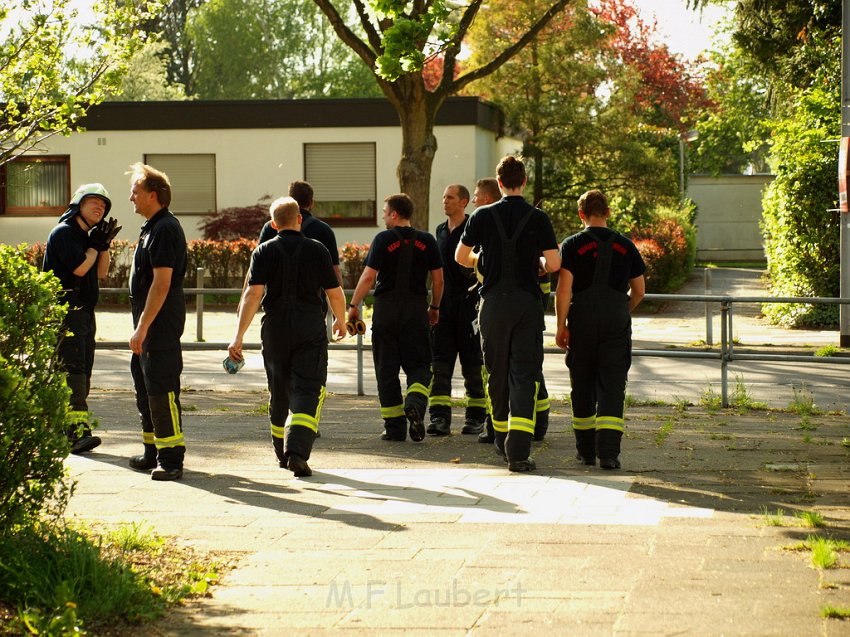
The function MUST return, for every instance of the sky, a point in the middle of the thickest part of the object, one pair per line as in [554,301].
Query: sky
[684,30]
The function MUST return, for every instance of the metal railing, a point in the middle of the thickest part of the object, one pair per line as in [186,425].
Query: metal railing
[725,354]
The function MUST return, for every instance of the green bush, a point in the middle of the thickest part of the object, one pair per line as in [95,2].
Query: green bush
[801,233]
[668,247]
[33,393]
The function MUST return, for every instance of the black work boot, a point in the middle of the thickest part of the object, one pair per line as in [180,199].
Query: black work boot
[85,442]
[299,467]
[472,426]
[417,427]
[438,427]
[586,446]
[488,435]
[394,429]
[608,448]
[163,474]
[541,425]
[518,450]
[146,461]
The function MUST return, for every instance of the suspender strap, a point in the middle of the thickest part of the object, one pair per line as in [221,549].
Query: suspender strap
[288,281]
[508,273]
[405,262]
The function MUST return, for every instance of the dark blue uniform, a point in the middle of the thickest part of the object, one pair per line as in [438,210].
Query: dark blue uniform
[454,336]
[403,258]
[295,271]
[602,263]
[512,235]
[156,371]
[65,252]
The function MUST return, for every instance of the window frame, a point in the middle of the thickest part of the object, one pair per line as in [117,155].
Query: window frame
[189,213]
[34,211]
[347,222]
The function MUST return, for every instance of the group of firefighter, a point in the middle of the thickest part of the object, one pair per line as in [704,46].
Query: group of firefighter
[489,276]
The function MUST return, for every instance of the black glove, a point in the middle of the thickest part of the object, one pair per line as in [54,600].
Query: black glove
[103,233]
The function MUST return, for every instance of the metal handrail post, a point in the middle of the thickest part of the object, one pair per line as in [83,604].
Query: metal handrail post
[709,308]
[725,307]
[199,306]
[360,390]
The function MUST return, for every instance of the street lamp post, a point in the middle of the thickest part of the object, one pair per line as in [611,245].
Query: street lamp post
[687,136]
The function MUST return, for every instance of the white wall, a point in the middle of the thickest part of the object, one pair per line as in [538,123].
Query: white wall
[253,162]
[728,216]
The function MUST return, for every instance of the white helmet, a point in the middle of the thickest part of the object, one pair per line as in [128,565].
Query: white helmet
[92,190]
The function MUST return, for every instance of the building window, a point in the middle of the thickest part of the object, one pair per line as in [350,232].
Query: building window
[37,185]
[192,178]
[344,182]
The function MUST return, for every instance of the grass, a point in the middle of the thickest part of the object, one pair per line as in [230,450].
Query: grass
[827,350]
[741,399]
[67,581]
[774,518]
[710,399]
[806,424]
[260,410]
[824,555]
[663,431]
[631,401]
[811,519]
[835,612]
[804,402]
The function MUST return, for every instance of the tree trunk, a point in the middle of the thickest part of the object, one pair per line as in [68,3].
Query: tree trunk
[417,111]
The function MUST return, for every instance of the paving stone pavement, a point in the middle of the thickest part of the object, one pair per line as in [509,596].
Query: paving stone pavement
[438,538]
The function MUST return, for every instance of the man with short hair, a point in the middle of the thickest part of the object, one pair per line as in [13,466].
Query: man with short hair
[288,274]
[512,235]
[159,316]
[399,260]
[77,252]
[601,281]
[311,227]
[454,335]
[487,192]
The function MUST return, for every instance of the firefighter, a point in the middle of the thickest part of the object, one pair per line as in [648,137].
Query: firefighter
[77,252]
[512,235]
[159,315]
[287,274]
[311,227]
[455,335]
[399,260]
[487,192]
[601,281]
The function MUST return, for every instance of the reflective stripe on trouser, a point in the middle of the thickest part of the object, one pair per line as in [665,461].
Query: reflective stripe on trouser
[295,357]
[400,342]
[453,337]
[156,379]
[513,352]
[76,355]
[542,407]
[598,360]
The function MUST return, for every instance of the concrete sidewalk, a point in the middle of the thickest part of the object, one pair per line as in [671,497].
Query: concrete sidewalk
[437,538]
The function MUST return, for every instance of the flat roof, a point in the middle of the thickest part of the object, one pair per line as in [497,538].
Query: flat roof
[318,113]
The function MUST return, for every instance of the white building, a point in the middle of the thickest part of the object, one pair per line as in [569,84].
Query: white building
[225,154]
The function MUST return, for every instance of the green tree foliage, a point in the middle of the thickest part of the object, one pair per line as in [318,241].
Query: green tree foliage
[271,49]
[597,103]
[800,230]
[146,79]
[53,67]
[33,393]
[169,25]
[398,37]
[733,134]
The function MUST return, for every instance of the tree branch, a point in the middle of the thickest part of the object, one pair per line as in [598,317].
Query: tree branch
[367,54]
[507,54]
[453,49]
